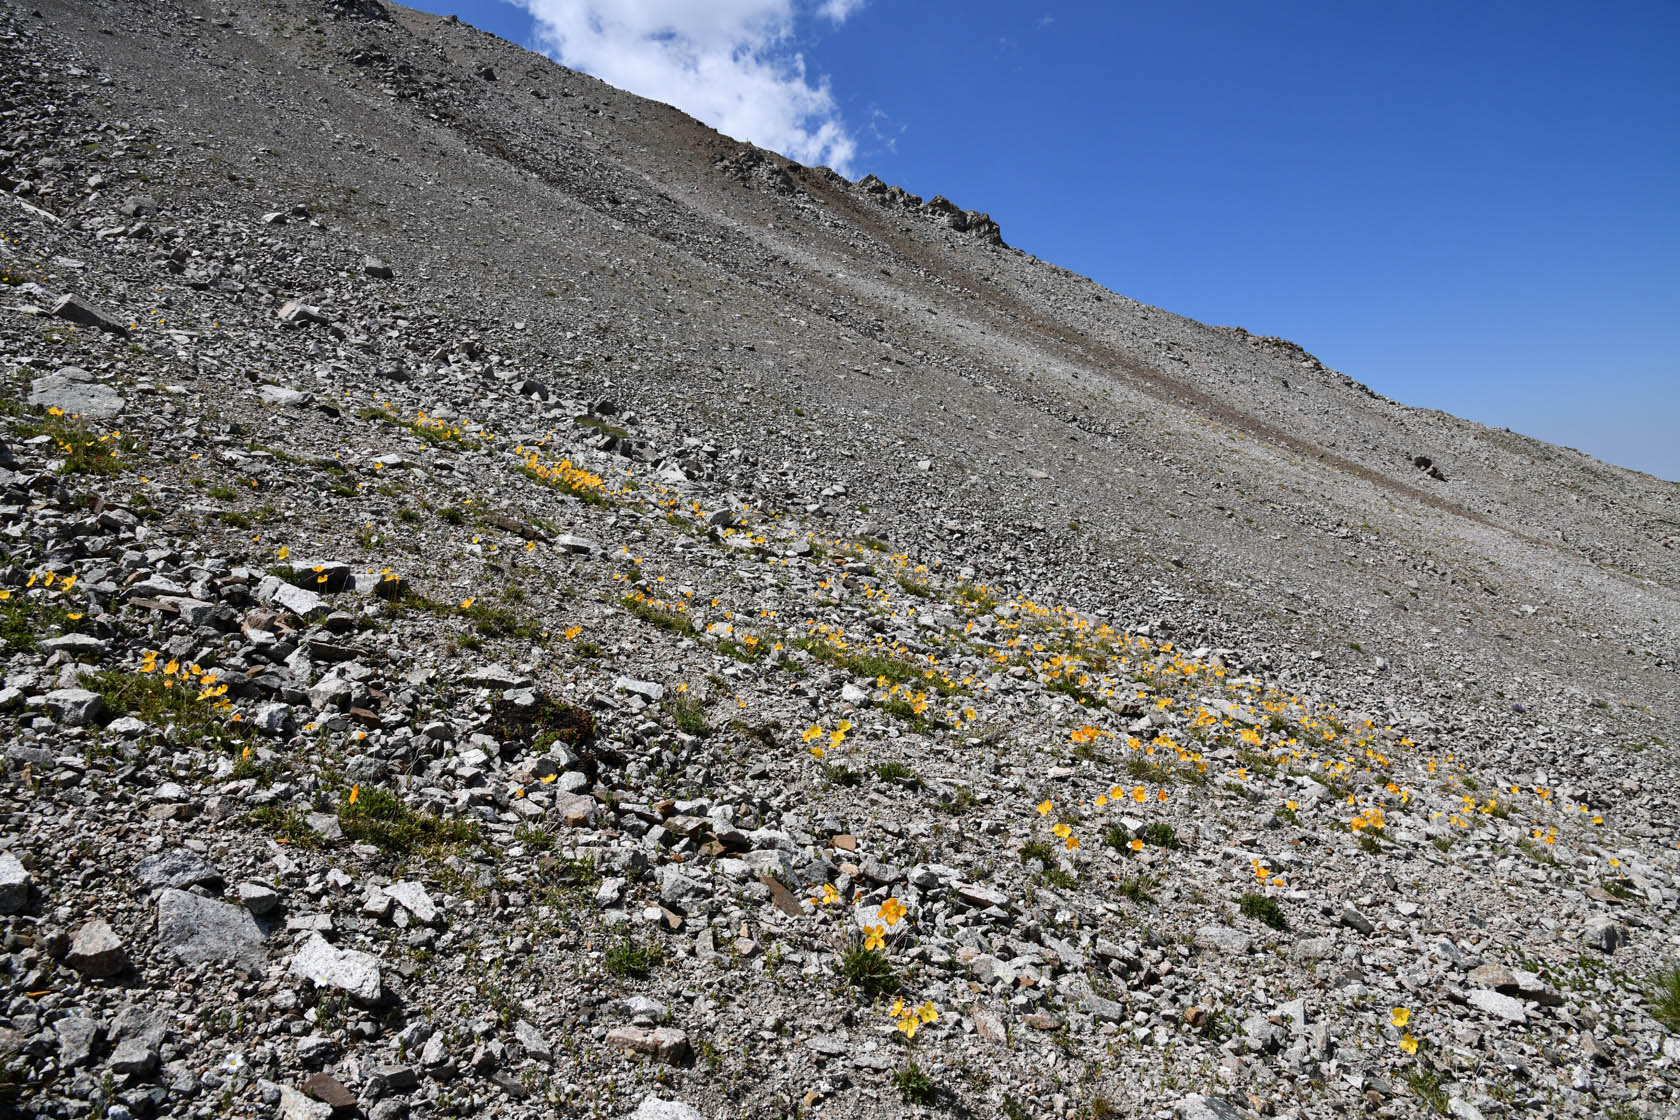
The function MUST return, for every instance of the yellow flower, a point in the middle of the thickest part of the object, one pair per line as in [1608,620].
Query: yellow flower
[892,911]
[573,631]
[875,937]
[282,552]
[355,792]
[817,752]
[830,895]
[1139,794]
[1101,800]
[1061,830]
[908,1026]
[1136,845]
[1071,843]
[547,778]
[467,602]
[1408,1044]
[1400,1016]
[927,1013]
[1044,807]
[812,732]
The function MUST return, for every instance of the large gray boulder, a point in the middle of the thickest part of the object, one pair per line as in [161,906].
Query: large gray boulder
[194,928]
[75,390]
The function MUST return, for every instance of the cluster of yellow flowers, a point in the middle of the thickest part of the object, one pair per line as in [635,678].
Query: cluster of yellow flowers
[565,474]
[1399,1017]
[909,1019]
[835,737]
[190,675]
[1371,818]
[52,583]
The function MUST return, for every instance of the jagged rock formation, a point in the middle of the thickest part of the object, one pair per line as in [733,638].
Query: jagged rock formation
[515,603]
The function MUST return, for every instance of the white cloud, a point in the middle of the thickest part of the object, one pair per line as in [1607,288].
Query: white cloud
[839,10]
[730,63]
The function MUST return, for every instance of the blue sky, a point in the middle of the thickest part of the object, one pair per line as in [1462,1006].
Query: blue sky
[1471,207]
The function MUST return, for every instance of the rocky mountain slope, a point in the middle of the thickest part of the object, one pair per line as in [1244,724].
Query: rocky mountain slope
[518,604]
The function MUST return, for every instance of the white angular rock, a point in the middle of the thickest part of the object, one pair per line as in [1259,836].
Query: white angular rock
[14,884]
[1505,1007]
[325,966]
[412,897]
[656,1108]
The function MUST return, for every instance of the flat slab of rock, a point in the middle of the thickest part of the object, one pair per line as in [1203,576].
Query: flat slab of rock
[581,545]
[1504,1007]
[80,647]
[73,309]
[1515,982]
[193,928]
[179,868]
[664,1044]
[1224,939]
[655,1108]
[96,951]
[276,592]
[295,1105]
[647,690]
[1199,1107]
[76,392]
[282,397]
[977,895]
[325,966]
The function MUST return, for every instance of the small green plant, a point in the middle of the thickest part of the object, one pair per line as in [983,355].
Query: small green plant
[1117,837]
[500,622]
[1139,888]
[635,959]
[381,818]
[164,695]
[454,515]
[836,775]
[1665,1002]
[895,771]
[1040,850]
[867,970]
[958,801]
[83,451]
[688,714]
[1158,834]
[1426,1085]
[24,622]
[1262,909]
[914,1085]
